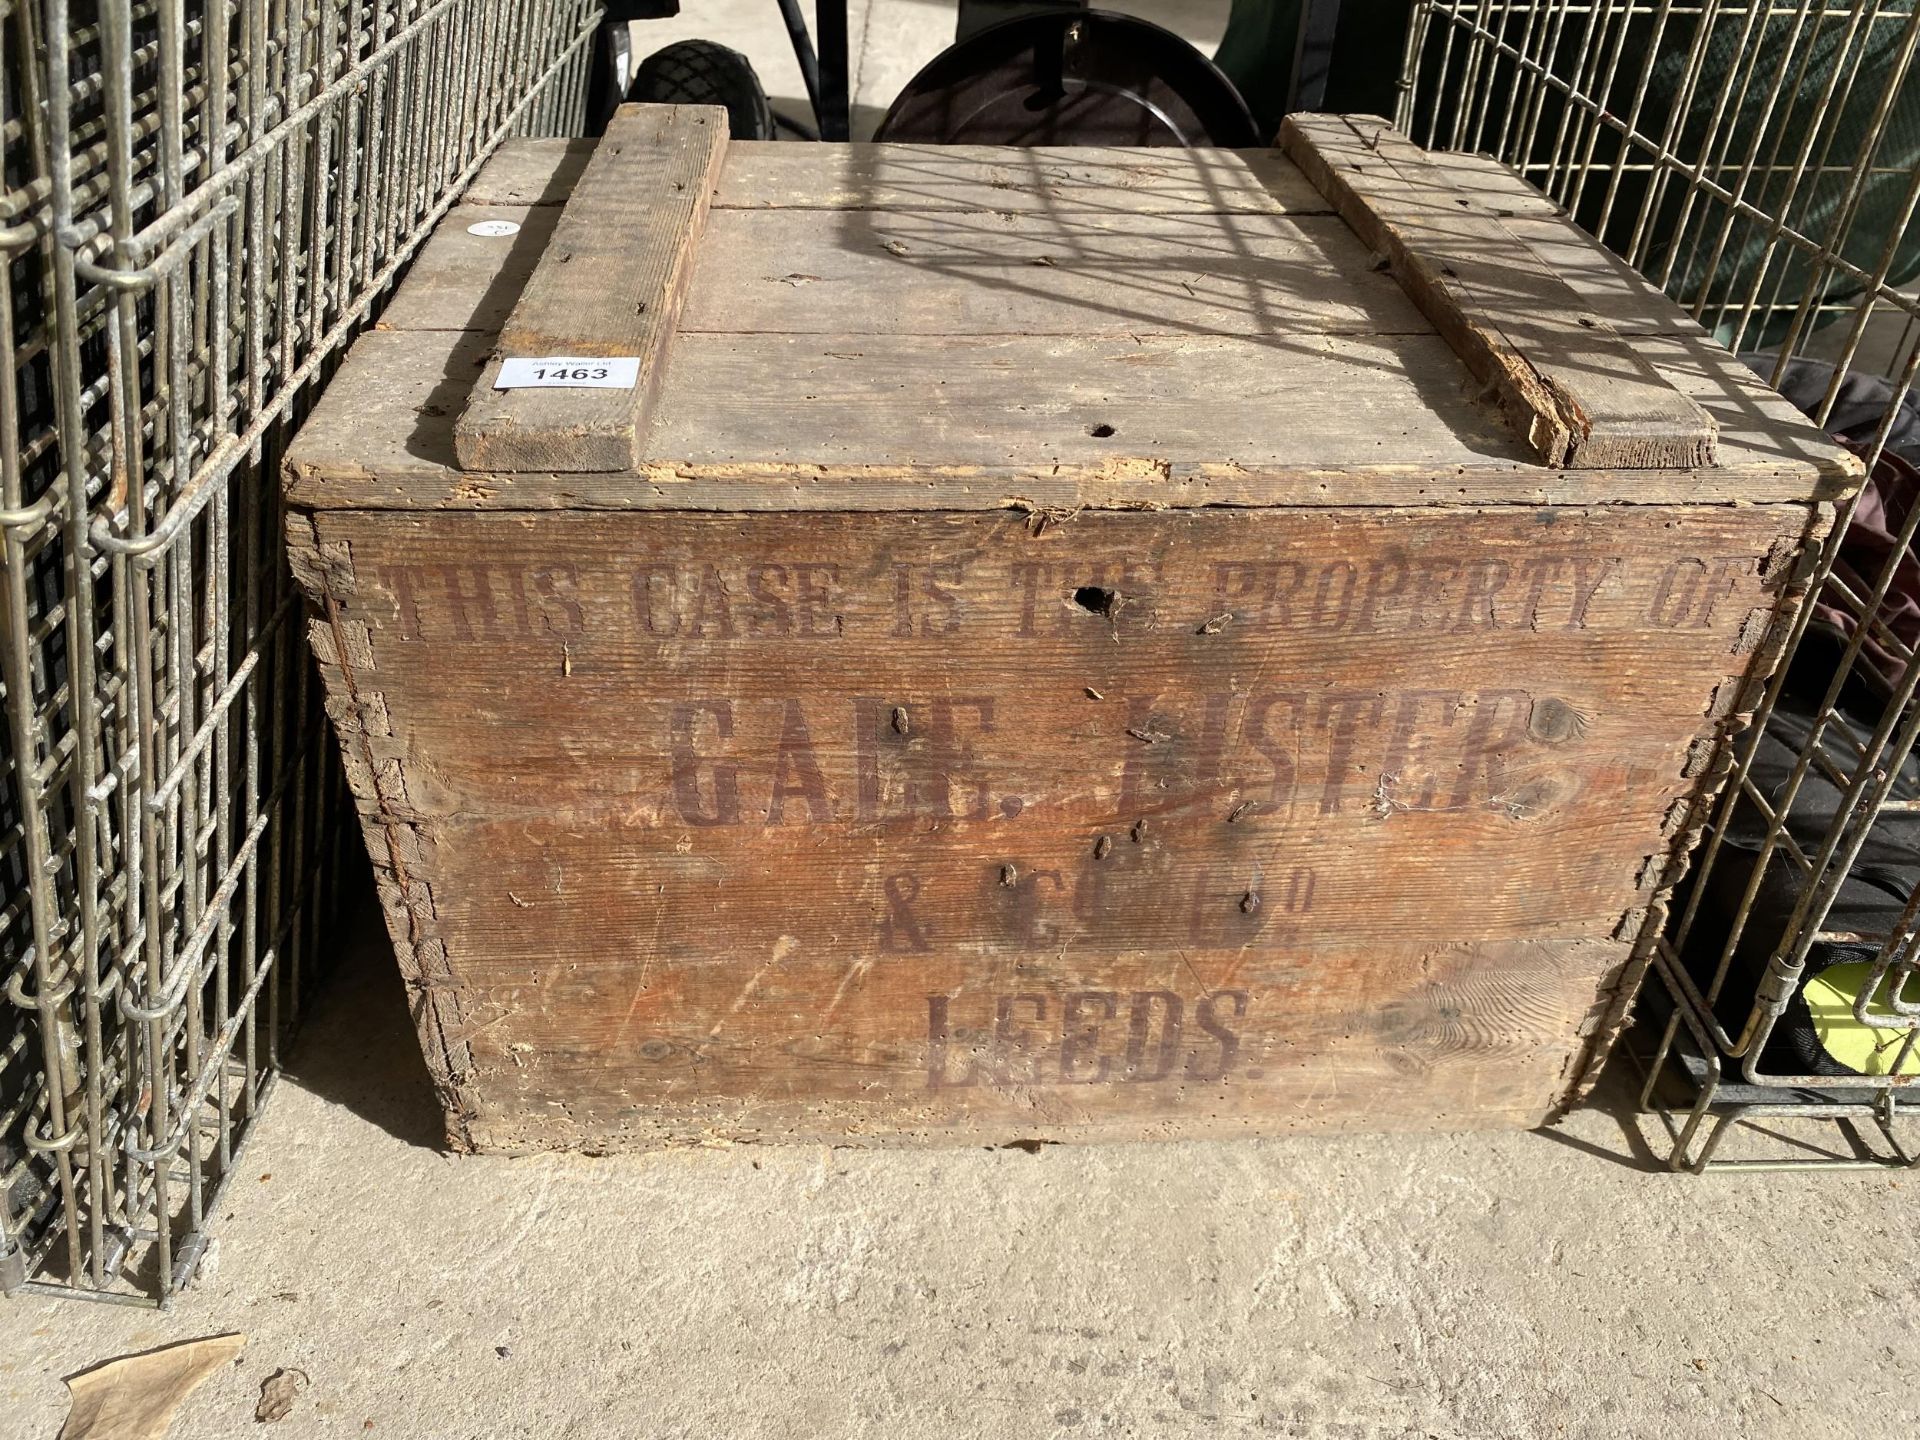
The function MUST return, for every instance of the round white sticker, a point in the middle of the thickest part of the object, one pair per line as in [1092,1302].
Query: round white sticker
[494,227]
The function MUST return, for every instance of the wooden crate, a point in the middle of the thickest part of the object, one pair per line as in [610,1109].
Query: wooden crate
[1058,643]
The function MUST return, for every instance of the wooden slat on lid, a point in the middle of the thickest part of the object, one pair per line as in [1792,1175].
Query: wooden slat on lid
[469,275]
[608,286]
[764,175]
[530,172]
[1068,272]
[1624,298]
[1583,396]
[936,273]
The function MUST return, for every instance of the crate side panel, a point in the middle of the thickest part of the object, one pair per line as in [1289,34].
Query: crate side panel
[873,760]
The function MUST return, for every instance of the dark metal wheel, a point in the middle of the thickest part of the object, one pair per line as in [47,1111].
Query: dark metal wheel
[1071,78]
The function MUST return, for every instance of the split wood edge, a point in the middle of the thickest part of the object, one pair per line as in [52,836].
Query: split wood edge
[609,285]
[1579,392]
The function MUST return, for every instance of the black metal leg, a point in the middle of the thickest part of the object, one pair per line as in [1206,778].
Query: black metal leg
[611,56]
[834,108]
[1313,55]
[803,53]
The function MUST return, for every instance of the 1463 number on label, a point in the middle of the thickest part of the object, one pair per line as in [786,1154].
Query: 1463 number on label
[577,372]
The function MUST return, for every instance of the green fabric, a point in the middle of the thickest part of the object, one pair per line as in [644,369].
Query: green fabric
[1820,200]
[1256,52]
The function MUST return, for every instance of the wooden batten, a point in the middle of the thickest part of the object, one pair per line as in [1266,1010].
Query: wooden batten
[1582,396]
[609,285]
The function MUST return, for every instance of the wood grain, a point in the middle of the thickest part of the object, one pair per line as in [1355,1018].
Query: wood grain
[1087,401]
[1149,1045]
[530,172]
[1581,394]
[1059,273]
[1118,181]
[464,281]
[381,436]
[867,751]
[609,284]
[1629,302]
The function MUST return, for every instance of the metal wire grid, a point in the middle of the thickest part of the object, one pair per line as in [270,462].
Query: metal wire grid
[1761,162]
[202,203]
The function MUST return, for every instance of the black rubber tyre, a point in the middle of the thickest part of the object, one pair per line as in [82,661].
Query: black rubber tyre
[701,72]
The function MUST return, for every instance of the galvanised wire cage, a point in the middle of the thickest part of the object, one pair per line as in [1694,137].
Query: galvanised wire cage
[202,203]
[1761,163]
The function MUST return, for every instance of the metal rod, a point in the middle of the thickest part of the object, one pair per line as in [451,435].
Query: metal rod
[835,108]
[803,56]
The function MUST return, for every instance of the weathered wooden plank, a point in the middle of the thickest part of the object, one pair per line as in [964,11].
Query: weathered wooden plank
[540,172]
[1147,1045]
[1757,425]
[1121,181]
[468,276]
[1606,284]
[1060,273]
[1610,600]
[530,172]
[609,285]
[802,775]
[1110,404]
[1492,186]
[381,436]
[1578,391]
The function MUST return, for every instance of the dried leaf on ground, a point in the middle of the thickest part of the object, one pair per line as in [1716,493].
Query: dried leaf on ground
[135,1396]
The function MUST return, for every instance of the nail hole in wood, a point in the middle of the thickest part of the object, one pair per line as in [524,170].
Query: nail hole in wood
[1097,598]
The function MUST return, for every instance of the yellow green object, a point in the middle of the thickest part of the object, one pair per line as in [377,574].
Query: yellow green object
[1830,996]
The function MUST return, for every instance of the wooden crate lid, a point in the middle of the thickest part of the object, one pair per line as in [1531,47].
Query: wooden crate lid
[877,327]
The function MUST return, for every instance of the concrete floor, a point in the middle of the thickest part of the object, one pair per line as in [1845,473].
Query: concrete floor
[1509,1285]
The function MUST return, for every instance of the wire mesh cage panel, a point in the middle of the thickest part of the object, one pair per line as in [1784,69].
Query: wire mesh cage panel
[202,204]
[1761,163]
